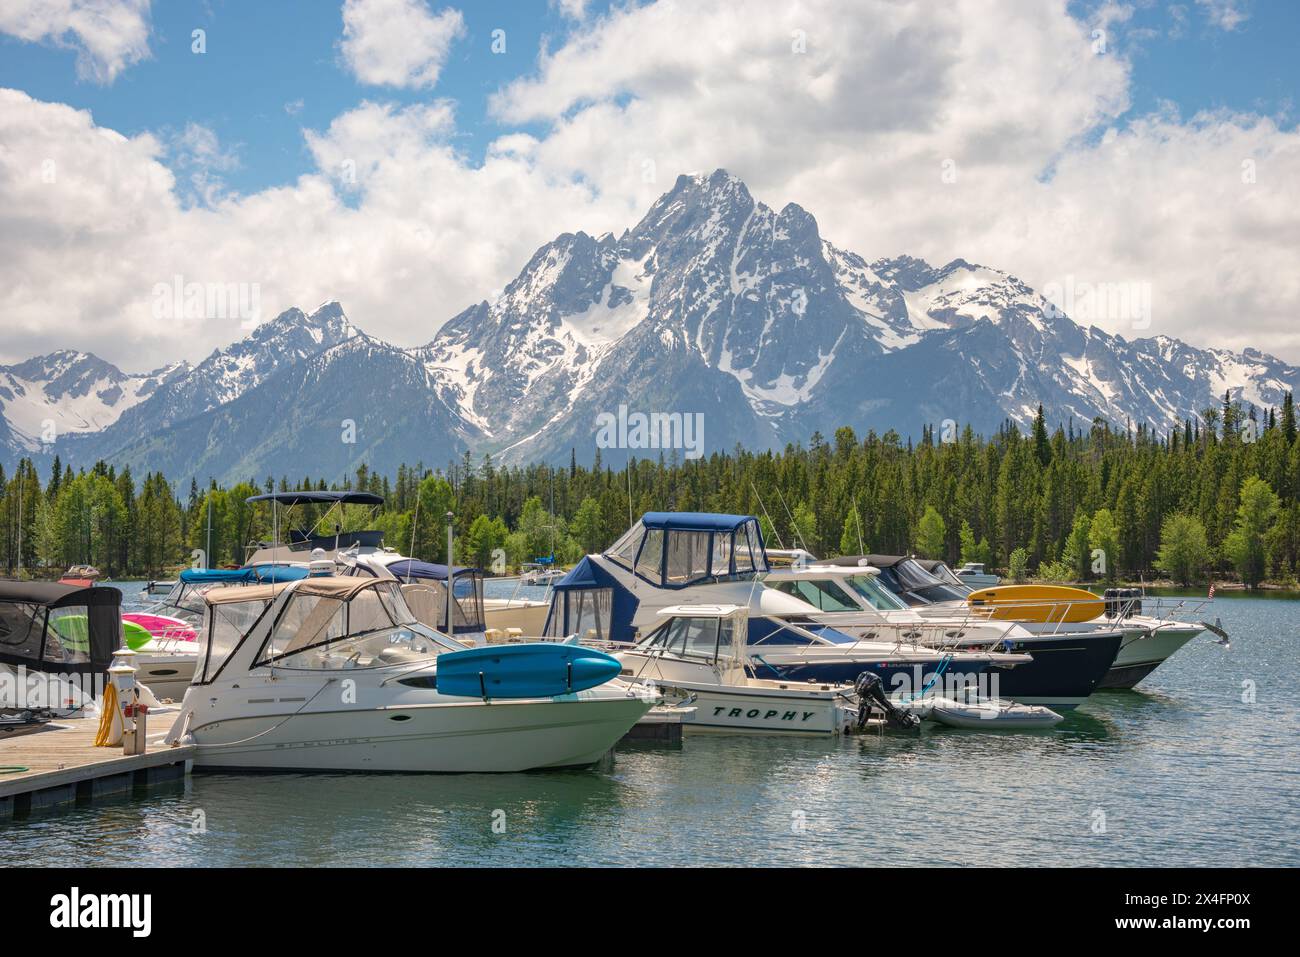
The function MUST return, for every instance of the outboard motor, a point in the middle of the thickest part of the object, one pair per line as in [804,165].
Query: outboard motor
[871,691]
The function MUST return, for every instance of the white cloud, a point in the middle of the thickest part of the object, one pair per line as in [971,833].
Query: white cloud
[197,151]
[399,43]
[413,238]
[108,35]
[573,9]
[395,222]
[857,129]
[1224,14]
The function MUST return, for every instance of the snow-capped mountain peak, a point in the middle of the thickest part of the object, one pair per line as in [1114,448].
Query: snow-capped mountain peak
[713,303]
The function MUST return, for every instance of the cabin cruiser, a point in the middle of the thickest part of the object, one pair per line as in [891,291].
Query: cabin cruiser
[1147,640]
[1066,668]
[348,548]
[697,655]
[671,558]
[56,643]
[335,673]
[165,662]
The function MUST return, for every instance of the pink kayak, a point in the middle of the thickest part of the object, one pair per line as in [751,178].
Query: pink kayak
[163,626]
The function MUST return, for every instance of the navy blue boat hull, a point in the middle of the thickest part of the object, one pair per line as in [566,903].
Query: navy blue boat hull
[1063,673]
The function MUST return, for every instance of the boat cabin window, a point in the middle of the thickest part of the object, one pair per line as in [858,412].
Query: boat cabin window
[624,550]
[688,557]
[22,628]
[586,612]
[648,561]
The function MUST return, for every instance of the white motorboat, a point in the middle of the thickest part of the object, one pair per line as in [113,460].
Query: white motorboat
[335,673]
[1067,665]
[1151,629]
[538,575]
[697,656]
[973,575]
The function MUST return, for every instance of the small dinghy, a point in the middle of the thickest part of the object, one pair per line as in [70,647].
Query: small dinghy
[981,714]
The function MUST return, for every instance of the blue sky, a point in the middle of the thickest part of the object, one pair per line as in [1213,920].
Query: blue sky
[263,59]
[273,68]
[1193,189]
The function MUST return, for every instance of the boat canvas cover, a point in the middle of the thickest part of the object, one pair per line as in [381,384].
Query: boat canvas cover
[251,575]
[324,587]
[568,593]
[694,521]
[467,592]
[38,617]
[319,498]
[427,571]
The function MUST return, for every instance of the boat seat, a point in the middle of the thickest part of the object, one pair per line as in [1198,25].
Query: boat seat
[396,654]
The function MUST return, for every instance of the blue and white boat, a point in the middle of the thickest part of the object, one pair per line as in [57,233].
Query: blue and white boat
[860,600]
[696,558]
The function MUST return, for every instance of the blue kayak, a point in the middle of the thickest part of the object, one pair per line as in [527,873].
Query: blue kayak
[534,670]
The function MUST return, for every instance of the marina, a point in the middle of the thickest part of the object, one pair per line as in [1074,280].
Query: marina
[1184,772]
[313,662]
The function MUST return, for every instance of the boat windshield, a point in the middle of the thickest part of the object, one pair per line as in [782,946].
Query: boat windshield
[823,593]
[875,594]
[705,637]
[372,628]
[185,600]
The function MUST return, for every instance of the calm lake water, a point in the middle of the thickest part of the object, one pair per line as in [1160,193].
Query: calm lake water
[1180,772]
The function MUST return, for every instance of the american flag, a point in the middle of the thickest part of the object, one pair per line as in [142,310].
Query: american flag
[1211,595]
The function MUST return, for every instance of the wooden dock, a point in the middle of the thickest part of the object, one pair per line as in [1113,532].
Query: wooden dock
[63,767]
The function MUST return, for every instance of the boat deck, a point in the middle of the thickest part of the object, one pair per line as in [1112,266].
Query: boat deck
[60,765]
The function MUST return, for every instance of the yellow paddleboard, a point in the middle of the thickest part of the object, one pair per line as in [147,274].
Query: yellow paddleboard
[1037,603]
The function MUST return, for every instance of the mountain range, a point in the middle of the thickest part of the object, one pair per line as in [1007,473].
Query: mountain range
[713,304]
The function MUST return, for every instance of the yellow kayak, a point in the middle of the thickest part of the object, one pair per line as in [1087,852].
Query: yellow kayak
[1038,603]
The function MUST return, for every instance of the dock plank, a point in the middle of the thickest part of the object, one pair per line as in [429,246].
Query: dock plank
[65,754]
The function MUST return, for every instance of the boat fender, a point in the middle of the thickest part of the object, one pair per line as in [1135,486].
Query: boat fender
[870,691]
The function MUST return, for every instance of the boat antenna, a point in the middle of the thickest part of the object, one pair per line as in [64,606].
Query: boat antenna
[415,523]
[207,552]
[627,467]
[793,524]
[22,474]
[862,549]
[451,625]
[769,517]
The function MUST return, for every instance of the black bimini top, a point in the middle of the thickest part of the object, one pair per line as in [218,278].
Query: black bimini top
[55,595]
[319,498]
[49,627]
